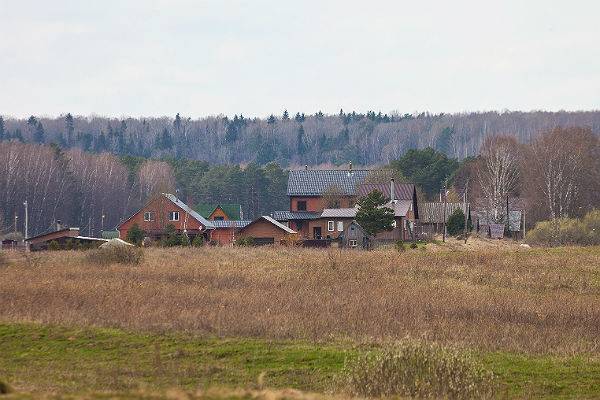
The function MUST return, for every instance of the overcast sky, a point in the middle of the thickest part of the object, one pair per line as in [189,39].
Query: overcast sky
[155,58]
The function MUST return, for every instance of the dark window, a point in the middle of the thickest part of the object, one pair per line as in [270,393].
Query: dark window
[219,218]
[298,225]
[301,206]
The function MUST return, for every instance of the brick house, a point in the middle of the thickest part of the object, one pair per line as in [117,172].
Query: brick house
[163,210]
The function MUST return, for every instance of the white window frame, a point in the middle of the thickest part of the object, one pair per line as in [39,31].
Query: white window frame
[340,226]
[394,224]
[172,215]
[148,216]
[330,226]
[353,243]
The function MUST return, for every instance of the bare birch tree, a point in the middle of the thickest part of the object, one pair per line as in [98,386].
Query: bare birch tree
[498,174]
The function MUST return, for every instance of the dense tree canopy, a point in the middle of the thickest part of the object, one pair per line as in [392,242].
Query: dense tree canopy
[426,168]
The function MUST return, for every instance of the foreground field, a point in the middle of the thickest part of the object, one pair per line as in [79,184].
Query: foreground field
[221,316]
[39,360]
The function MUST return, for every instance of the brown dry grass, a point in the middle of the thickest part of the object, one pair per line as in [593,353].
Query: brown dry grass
[538,301]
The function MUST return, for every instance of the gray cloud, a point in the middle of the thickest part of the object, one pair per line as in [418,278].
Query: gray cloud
[257,57]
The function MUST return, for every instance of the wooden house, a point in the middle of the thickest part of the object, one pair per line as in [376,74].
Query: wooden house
[226,232]
[354,237]
[265,230]
[220,212]
[163,210]
[65,238]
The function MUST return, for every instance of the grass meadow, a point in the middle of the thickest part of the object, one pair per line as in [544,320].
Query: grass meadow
[269,322]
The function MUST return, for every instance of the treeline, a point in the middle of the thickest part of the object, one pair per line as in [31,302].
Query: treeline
[367,139]
[555,176]
[96,191]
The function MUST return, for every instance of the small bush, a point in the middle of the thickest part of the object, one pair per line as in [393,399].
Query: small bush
[53,245]
[413,245]
[135,235]
[183,239]
[567,231]
[456,223]
[417,369]
[245,241]
[3,259]
[116,255]
[198,241]
[399,245]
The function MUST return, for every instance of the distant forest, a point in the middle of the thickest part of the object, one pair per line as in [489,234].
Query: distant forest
[291,139]
[94,172]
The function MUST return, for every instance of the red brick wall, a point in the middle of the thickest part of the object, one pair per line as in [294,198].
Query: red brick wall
[317,203]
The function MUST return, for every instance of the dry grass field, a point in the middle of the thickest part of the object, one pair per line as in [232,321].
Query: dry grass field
[533,301]
[220,316]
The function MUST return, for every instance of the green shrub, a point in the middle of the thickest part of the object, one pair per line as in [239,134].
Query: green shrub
[567,231]
[170,237]
[53,245]
[116,255]
[183,239]
[417,369]
[135,235]
[198,241]
[456,223]
[245,241]
[413,245]
[399,245]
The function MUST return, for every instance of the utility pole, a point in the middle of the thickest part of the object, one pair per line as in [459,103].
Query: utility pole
[466,211]
[102,224]
[445,204]
[16,220]
[507,218]
[26,219]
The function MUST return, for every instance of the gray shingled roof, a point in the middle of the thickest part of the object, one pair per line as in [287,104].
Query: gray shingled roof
[400,207]
[339,213]
[294,215]
[229,224]
[314,182]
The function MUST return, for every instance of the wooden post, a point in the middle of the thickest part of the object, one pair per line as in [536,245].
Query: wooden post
[444,211]
[466,211]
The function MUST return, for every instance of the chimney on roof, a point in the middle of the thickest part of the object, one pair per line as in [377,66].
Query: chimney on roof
[58,225]
[392,191]
[350,166]
[306,167]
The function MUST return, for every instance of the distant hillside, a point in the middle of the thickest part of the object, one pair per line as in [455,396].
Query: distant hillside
[367,139]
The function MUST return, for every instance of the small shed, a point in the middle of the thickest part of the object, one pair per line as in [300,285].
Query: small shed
[265,230]
[65,238]
[354,236]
